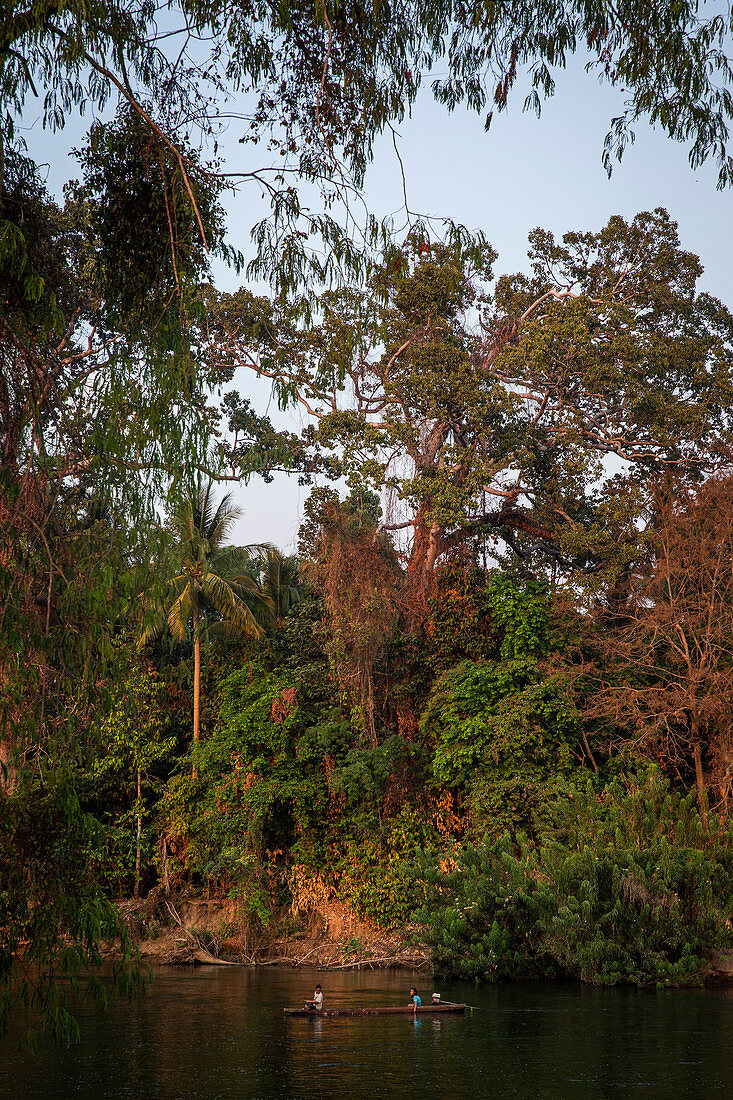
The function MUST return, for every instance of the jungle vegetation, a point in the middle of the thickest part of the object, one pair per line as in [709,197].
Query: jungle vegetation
[489,699]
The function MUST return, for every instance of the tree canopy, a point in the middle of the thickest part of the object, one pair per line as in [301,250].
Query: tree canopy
[316,83]
[488,411]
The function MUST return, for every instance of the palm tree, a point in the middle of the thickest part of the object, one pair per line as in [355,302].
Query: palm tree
[280,581]
[212,582]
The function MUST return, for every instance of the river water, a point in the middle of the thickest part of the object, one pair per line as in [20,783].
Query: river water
[210,1032]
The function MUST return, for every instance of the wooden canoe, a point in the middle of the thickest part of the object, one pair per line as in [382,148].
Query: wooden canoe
[397,1010]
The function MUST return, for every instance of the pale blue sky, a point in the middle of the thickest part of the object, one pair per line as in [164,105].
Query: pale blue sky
[525,172]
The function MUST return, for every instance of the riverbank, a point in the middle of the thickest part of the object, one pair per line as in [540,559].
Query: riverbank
[191,930]
[188,930]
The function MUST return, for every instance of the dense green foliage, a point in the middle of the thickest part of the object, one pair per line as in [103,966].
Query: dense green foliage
[622,886]
[486,829]
[501,728]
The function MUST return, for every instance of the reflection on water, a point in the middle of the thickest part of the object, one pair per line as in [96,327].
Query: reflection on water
[209,1033]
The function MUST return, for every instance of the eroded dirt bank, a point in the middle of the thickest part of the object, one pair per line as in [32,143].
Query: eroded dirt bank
[194,930]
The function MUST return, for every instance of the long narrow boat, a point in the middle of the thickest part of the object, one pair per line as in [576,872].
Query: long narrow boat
[401,1010]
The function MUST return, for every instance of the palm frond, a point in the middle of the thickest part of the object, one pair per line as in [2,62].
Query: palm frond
[223,519]
[223,597]
[181,612]
[255,598]
[222,577]
[223,630]
[234,559]
[281,581]
[156,621]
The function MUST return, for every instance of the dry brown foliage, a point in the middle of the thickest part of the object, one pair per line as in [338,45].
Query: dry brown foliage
[664,665]
[283,705]
[357,570]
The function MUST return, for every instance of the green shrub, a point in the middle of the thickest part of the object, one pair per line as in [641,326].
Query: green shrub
[623,886]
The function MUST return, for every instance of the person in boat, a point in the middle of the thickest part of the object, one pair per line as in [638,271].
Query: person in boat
[416,999]
[317,1002]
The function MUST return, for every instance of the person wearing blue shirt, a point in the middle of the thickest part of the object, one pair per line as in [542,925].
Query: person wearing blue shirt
[416,1001]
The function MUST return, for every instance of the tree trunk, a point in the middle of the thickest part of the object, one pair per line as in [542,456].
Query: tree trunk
[589,751]
[164,863]
[702,797]
[138,848]
[426,549]
[196,677]
[434,548]
[7,770]
[196,682]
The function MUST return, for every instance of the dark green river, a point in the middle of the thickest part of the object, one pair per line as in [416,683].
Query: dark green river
[207,1033]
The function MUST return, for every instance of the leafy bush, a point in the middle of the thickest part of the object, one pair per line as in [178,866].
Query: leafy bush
[377,873]
[501,728]
[504,731]
[254,793]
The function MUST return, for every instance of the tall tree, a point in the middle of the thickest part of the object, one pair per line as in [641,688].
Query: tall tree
[212,579]
[356,568]
[99,403]
[136,738]
[486,413]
